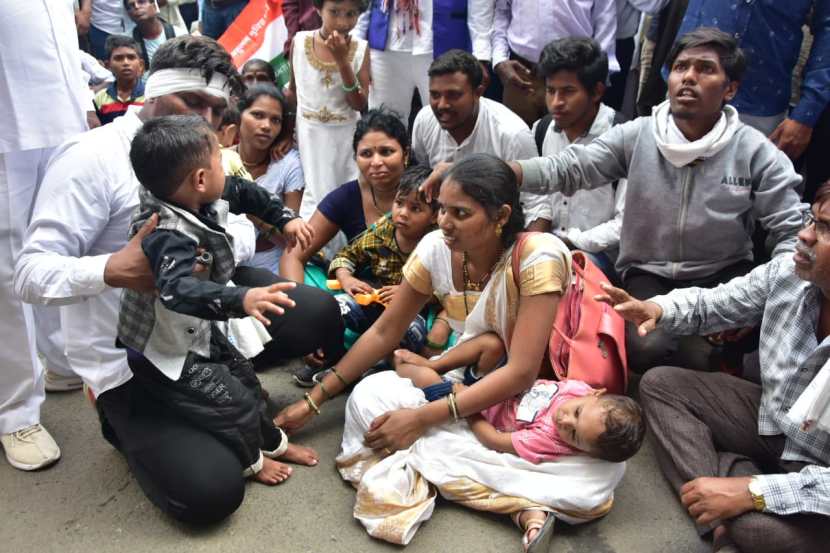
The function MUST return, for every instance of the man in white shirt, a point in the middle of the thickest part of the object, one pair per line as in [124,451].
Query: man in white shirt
[405,36]
[574,71]
[459,122]
[43,101]
[76,255]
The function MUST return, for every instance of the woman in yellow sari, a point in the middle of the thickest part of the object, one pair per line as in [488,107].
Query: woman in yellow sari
[396,445]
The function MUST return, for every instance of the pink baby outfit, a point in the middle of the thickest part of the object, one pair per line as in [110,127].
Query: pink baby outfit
[537,440]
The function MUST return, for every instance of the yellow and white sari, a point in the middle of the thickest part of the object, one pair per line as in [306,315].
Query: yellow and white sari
[395,494]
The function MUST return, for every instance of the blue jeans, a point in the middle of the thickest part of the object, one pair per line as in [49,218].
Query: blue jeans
[359,318]
[97,42]
[215,20]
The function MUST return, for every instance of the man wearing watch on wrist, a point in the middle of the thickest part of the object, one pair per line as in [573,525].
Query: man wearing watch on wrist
[744,467]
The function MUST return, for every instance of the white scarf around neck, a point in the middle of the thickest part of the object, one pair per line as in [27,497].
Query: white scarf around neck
[678,150]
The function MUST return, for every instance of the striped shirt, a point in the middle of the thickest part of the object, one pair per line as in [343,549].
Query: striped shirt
[787,309]
[108,106]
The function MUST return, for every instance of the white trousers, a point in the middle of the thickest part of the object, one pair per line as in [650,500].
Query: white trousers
[395,75]
[21,373]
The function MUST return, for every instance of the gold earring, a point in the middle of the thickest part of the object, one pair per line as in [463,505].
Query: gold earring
[498,230]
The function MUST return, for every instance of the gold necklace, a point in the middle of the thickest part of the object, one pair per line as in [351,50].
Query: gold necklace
[478,285]
[250,164]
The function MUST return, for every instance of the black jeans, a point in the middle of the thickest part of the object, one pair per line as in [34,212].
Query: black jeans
[220,394]
[315,323]
[659,347]
[183,468]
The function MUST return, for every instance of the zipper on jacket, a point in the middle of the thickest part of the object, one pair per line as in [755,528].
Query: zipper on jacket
[681,223]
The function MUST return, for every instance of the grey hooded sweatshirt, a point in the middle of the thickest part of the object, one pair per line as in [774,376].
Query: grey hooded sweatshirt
[682,222]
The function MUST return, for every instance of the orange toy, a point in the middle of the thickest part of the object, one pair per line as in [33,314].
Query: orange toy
[361,299]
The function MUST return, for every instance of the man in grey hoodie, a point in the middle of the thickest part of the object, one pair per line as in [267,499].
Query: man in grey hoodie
[699,181]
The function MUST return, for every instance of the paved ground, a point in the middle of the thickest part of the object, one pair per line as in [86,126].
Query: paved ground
[90,502]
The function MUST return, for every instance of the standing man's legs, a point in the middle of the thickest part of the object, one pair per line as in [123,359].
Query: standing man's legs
[97,42]
[394,76]
[59,377]
[615,93]
[28,446]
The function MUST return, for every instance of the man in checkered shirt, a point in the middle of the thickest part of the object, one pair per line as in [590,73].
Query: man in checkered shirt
[742,468]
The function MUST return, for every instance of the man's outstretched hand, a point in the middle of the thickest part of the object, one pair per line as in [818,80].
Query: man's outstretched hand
[644,314]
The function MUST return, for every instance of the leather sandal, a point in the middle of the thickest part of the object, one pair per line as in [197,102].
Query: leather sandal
[541,541]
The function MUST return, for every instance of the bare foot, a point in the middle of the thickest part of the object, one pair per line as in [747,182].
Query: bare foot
[300,455]
[406,356]
[273,472]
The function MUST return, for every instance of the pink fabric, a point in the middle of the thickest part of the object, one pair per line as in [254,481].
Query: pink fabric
[537,441]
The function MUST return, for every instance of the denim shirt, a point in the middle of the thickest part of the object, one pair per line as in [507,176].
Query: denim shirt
[769,31]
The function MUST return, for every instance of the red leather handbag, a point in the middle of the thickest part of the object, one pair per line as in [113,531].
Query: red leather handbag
[587,341]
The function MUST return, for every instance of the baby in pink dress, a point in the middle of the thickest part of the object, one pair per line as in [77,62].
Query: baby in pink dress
[551,419]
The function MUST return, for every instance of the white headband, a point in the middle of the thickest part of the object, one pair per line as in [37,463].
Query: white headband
[168,81]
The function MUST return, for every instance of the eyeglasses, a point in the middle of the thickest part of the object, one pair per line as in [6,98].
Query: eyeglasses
[822,228]
[135,3]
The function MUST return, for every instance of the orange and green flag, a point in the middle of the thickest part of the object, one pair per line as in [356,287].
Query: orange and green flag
[259,32]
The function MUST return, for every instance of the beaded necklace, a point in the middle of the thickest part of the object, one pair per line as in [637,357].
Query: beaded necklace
[474,286]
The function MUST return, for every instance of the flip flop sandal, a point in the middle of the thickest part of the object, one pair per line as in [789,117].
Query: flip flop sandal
[542,540]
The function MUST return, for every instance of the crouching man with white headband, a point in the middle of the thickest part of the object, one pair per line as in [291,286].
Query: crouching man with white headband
[76,255]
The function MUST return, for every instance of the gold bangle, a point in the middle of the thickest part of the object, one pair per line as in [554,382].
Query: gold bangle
[311,403]
[340,378]
[453,406]
[442,319]
[323,388]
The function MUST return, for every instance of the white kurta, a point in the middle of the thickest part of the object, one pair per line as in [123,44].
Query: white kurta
[325,121]
[42,95]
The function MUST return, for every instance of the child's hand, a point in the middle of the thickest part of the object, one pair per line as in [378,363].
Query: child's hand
[339,46]
[387,293]
[297,233]
[410,358]
[352,286]
[259,301]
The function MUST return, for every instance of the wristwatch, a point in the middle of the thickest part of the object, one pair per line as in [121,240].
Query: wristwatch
[758,501]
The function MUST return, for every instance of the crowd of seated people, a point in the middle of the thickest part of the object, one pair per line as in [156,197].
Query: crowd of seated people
[403,213]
